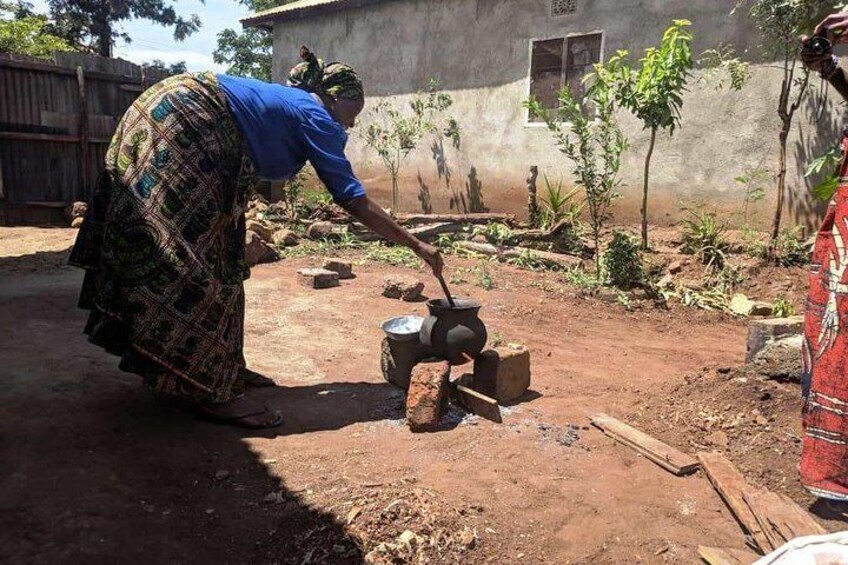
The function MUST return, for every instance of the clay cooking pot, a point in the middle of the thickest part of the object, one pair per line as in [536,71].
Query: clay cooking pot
[455,334]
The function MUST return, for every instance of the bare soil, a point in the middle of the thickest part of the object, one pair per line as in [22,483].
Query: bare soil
[97,470]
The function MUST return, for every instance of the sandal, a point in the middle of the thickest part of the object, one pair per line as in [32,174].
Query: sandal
[241,412]
[254,379]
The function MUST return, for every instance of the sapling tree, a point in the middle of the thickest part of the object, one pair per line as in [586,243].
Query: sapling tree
[654,91]
[780,23]
[593,144]
[393,134]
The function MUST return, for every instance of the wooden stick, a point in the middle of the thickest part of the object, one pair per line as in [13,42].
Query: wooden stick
[726,556]
[447,292]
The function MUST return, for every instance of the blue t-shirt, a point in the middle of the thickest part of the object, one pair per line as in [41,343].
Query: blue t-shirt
[285,127]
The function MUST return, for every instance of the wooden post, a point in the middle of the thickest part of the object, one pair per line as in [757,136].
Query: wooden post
[83,137]
[532,204]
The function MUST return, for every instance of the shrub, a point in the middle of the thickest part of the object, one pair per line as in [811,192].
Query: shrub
[703,236]
[622,261]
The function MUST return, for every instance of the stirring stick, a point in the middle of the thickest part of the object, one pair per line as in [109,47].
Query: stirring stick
[447,292]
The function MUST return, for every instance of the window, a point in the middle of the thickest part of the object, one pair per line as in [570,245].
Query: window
[556,63]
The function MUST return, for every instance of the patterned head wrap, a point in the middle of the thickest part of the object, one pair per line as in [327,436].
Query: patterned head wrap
[335,79]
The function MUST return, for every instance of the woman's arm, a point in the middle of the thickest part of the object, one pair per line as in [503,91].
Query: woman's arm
[377,220]
[833,27]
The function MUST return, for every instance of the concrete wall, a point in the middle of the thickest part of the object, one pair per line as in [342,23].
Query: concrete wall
[480,51]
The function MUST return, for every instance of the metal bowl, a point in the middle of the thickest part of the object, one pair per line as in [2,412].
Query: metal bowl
[403,328]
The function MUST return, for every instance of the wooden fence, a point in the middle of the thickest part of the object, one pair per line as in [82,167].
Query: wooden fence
[56,119]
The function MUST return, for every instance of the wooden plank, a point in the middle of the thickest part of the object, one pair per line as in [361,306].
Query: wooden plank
[480,218]
[20,136]
[779,517]
[730,485]
[726,556]
[479,404]
[663,455]
[57,70]
[85,174]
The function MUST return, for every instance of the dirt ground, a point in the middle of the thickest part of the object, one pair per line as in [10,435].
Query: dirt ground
[97,470]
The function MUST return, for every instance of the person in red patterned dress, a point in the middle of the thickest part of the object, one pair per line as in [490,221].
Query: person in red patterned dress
[824,459]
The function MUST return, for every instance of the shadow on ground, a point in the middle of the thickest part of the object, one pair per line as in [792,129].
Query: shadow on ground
[96,470]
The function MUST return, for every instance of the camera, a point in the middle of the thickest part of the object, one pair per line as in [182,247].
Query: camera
[818,45]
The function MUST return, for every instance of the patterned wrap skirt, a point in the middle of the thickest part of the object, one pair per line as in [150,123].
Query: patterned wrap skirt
[824,459]
[163,242]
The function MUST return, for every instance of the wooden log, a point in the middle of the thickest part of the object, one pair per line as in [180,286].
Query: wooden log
[726,556]
[480,218]
[663,455]
[730,485]
[532,204]
[551,259]
[779,517]
[85,175]
[429,232]
[486,249]
[479,404]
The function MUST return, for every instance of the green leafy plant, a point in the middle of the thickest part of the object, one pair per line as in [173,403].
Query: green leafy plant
[394,134]
[704,237]
[754,243]
[789,249]
[828,164]
[498,339]
[24,32]
[753,182]
[558,205]
[581,279]
[654,92]
[495,232]
[782,308]
[724,68]
[593,145]
[622,261]
[528,260]
[484,276]
[393,255]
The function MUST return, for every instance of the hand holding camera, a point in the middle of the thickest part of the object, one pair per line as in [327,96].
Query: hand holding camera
[817,51]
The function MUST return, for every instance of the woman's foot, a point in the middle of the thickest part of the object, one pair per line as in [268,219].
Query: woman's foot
[254,379]
[242,412]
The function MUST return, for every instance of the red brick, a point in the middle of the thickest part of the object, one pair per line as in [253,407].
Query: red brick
[502,373]
[340,266]
[428,395]
[318,278]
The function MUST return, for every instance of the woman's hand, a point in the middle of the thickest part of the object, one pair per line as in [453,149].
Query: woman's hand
[811,60]
[833,27]
[432,256]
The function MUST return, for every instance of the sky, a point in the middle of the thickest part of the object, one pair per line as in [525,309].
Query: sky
[152,41]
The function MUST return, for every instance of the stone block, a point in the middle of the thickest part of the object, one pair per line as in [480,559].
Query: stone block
[260,229]
[780,359]
[257,251]
[502,373]
[399,357]
[428,395]
[761,332]
[318,278]
[320,230]
[402,287]
[340,266]
[285,238]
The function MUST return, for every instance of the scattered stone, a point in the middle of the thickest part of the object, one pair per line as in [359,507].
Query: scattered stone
[76,223]
[741,305]
[666,282]
[780,359]
[340,266]
[724,370]
[318,278]
[352,515]
[399,357]
[260,229]
[428,395]
[75,210]
[285,238]
[719,439]
[759,419]
[320,230]
[608,295]
[480,238]
[763,309]
[761,332]
[467,537]
[257,251]
[675,267]
[502,373]
[402,287]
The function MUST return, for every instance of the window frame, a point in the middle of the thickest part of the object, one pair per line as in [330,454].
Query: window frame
[528,123]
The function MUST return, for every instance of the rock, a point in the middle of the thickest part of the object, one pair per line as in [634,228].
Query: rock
[427,395]
[318,278]
[340,266]
[76,223]
[260,229]
[285,238]
[502,373]
[718,438]
[480,238]
[607,294]
[762,309]
[741,305]
[780,359]
[666,282]
[402,287]
[221,474]
[675,267]
[75,210]
[320,230]
[398,358]
[257,251]
[761,332]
